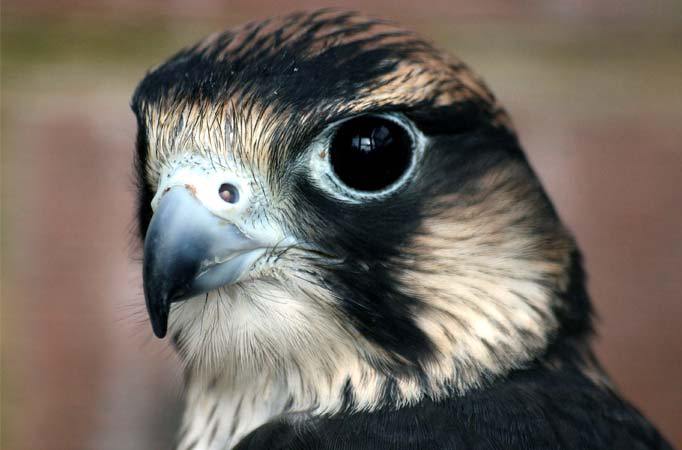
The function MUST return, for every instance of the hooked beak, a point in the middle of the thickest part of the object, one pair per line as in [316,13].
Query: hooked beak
[189,251]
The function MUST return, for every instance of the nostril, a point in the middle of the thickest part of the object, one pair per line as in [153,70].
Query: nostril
[229,193]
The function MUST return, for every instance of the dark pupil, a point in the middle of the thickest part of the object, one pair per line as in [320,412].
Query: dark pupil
[370,153]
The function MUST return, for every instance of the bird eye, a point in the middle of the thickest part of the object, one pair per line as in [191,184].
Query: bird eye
[370,153]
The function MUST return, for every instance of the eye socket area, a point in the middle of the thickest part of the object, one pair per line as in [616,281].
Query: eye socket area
[370,153]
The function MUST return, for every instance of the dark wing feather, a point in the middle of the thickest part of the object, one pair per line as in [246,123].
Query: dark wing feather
[533,409]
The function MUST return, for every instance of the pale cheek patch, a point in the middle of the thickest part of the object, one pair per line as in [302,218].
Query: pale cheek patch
[487,286]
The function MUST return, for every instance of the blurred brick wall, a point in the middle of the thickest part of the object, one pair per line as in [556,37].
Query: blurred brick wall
[594,88]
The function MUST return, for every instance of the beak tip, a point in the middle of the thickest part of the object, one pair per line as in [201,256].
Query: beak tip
[159,324]
[158,316]
[159,329]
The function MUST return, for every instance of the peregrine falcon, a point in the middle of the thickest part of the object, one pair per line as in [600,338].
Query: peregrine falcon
[349,250]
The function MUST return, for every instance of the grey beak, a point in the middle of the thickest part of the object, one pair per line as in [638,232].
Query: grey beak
[189,251]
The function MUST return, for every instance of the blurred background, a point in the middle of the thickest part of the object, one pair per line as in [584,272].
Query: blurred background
[595,89]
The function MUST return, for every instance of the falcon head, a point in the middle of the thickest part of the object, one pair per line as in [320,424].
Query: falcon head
[329,201]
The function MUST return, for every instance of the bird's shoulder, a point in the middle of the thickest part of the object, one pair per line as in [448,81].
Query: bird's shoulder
[536,409]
